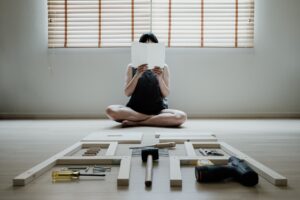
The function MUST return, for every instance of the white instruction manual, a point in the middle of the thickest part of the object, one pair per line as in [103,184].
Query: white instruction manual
[152,54]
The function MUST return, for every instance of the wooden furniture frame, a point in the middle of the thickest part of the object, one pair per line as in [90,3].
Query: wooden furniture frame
[180,138]
[64,158]
[191,159]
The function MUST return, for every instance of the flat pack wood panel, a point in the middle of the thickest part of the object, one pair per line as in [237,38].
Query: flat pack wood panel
[121,138]
[180,138]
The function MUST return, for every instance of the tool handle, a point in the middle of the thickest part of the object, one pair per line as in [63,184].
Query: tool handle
[93,174]
[149,171]
[165,145]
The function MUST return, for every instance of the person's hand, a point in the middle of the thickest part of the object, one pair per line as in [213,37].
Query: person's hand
[158,71]
[141,69]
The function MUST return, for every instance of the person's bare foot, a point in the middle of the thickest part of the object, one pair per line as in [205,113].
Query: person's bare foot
[127,123]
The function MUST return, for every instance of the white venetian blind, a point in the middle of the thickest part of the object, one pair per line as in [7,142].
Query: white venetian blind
[182,23]
[96,23]
[204,23]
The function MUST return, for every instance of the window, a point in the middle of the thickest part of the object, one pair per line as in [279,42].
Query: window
[177,23]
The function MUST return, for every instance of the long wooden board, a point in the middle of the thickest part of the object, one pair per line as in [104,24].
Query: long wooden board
[124,172]
[181,133]
[175,174]
[180,138]
[121,138]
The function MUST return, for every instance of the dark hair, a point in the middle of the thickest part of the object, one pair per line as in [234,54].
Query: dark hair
[148,36]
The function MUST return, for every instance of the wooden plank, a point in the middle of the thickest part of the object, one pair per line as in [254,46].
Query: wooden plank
[90,160]
[111,151]
[175,173]
[181,139]
[185,134]
[264,171]
[192,160]
[121,138]
[124,172]
[189,149]
[185,137]
[36,171]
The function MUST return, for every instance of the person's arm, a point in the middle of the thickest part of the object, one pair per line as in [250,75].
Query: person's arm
[131,81]
[163,79]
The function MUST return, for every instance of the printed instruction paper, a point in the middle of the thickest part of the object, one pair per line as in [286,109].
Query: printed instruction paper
[152,54]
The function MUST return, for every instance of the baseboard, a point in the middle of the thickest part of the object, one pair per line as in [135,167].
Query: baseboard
[247,116]
[190,116]
[49,116]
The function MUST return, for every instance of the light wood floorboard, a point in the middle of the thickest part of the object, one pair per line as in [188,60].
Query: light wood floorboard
[24,143]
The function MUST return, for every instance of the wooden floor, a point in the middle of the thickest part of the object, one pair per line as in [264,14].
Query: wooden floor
[275,143]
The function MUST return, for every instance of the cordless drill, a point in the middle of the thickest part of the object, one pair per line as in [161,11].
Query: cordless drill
[236,169]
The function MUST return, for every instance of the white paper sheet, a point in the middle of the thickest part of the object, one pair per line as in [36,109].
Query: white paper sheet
[152,54]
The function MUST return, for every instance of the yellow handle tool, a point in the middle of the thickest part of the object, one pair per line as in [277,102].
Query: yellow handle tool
[68,175]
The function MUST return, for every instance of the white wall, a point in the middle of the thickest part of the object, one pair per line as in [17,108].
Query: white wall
[208,82]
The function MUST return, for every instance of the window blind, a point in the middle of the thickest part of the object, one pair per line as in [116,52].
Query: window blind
[96,23]
[177,23]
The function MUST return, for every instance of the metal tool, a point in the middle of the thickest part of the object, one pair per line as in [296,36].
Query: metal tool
[98,168]
[68,175]
[76,168]
[210,152]
[158,145]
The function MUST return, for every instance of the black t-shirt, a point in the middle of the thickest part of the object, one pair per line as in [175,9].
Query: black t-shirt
[147,97]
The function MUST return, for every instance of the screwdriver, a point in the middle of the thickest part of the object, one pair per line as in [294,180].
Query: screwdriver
[68,175]
[158,145]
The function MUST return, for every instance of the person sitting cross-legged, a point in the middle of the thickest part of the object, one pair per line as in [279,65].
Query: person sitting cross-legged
[147,90]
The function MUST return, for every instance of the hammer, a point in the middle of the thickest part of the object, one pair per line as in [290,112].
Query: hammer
[149,155]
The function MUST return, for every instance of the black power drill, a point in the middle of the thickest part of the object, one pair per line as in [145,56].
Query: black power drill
[236,169]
